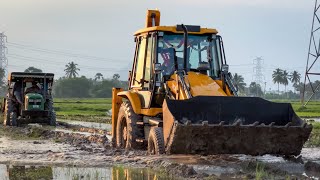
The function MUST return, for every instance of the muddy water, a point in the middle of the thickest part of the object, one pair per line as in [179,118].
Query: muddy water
[9,172]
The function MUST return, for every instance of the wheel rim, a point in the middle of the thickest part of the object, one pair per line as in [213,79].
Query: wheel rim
[124,133]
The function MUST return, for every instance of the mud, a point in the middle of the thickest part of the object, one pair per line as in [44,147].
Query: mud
[81,128]
[83,147]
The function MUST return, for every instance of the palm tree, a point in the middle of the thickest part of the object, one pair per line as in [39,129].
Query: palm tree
[255,89]
[284,80]
[115,77]
[98,76]
[295,78]
[71,70]
[277,77]
[238,81]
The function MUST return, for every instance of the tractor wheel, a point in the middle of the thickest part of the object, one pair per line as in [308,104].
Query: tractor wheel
[127,129]
[7,111]
[13,119]
[156,141]
[52,119]
[52,114]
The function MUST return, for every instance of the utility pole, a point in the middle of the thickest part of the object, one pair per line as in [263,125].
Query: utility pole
[258,76]
[3,51]
[313,56]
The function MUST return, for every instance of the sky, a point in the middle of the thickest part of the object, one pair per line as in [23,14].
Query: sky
[98,34]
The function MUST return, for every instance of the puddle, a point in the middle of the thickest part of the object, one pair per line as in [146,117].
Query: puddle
[95,125]
[12,172]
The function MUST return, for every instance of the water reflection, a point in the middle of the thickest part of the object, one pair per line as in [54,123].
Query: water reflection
[11,172]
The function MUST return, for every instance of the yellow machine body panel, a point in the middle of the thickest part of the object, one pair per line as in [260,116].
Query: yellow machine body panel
[200,85]
[134,99]
[203,85]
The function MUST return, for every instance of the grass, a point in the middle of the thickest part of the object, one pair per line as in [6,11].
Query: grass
[314,139]
[311,110]
[85,107]
[68,108]
[100,106]
[260,171]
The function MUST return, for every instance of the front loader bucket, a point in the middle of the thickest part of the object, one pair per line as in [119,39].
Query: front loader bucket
[232,125]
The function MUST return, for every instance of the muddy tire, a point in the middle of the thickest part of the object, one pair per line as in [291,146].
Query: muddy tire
[127,131]
[52,113]
[52,119]
[156,141]
[13,119]
[7,111]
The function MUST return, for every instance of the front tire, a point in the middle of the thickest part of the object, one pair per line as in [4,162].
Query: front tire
[127,131]
[7,112]
[156,141]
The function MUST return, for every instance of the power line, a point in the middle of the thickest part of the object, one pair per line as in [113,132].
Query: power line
[57,64]
[63,53]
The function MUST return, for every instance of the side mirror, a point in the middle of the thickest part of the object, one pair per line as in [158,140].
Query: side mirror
[157,68]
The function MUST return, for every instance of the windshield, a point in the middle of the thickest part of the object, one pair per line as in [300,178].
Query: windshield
[203,54]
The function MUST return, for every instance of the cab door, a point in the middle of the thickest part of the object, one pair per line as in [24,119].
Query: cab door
[141,80]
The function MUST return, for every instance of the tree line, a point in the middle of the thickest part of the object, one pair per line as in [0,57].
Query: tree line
[72,85]
[279,77]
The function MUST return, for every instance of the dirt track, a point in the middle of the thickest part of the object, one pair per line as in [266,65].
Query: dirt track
[89,147]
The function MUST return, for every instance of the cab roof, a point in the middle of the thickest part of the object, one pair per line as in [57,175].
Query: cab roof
[22,75]
[175,29]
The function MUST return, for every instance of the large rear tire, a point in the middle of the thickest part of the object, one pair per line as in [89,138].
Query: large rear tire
[127,131]
[7,111]
[156,141]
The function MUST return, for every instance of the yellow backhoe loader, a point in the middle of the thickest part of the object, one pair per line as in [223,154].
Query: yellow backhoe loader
[181,100]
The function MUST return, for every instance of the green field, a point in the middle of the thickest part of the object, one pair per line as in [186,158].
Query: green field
[85,107]
[311,110]
[70,108]
[100,106]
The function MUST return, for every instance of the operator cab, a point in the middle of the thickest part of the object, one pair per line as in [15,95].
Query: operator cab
[163,50]
[203,53]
